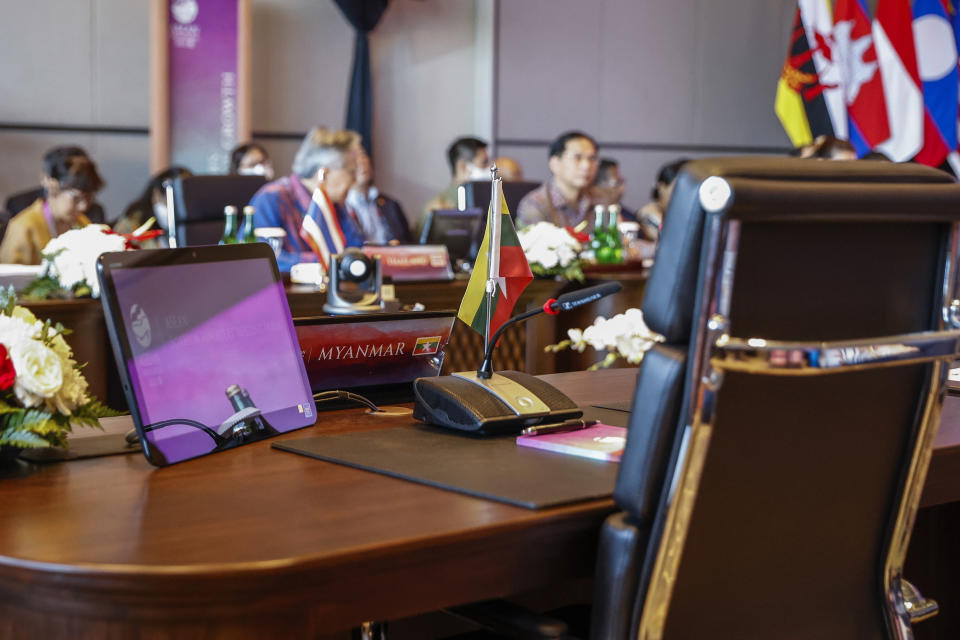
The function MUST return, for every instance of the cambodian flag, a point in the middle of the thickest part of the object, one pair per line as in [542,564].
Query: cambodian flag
[937,64]
[862,83]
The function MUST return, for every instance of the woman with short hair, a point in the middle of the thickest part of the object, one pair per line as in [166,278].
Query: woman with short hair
[325,159]
[69,186]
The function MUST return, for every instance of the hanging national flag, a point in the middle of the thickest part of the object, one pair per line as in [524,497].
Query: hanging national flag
[893,39]
[862,84]
[809,102]
[320,228]
[954,156]
[513,277]
[937,65]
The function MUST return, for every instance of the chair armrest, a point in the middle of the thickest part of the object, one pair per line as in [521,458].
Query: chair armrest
[918,607]
[777,357]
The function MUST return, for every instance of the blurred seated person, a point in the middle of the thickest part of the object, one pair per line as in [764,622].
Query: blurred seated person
[826,147]
[381,218]
[325,158]
[566,198]
[71,183]
[23,199]
[510,169]
[650,215]
[468,160]
[152,202]
[251,159]
[609,187]
[4,220]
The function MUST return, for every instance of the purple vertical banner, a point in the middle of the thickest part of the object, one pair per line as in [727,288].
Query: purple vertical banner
[203,83]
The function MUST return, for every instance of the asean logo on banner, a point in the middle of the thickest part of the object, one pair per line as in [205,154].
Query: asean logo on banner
[426,346]
[185,11]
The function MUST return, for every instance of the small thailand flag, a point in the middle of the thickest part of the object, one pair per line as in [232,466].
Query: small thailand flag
[321,230]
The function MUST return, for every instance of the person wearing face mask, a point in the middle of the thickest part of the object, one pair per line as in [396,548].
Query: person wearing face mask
[469,160]
[565,199]
[379,216]
[609,187]
[69,186]
[325,159]
[152,202]
[251,159]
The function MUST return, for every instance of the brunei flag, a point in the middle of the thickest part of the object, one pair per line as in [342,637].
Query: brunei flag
[513,276]
[321,230]
[809,102]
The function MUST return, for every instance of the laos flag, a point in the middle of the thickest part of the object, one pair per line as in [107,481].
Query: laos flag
[937,64]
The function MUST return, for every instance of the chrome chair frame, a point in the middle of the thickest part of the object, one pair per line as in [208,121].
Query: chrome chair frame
[717,352]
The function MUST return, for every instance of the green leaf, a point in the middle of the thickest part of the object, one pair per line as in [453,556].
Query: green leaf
[22,438]
[50,257]
[7,408]
[94,410]
[8,300]
[42,288]
[51,429]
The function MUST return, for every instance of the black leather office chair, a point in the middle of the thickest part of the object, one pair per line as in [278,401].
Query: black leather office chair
[198,203]
[770,482]
[476,194]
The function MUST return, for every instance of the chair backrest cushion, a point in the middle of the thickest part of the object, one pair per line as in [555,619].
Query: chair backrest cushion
[669,298]
[199,202]
[653,423]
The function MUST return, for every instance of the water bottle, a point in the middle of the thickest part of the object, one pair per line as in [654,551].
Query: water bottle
[229,226]
[598,243]
[614,239]
[245,234]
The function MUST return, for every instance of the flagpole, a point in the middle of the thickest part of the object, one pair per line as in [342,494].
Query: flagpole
[493,250]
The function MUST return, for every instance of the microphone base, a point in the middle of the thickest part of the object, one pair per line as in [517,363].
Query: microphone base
[506,403]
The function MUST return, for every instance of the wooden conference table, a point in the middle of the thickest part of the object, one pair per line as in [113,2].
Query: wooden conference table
[259,543]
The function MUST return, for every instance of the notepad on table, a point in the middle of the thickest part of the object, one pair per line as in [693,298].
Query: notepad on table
[600,442]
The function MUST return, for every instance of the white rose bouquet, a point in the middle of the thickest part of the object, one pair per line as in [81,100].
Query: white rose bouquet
[625,335]
[551,251]
[42,390]
[70,262]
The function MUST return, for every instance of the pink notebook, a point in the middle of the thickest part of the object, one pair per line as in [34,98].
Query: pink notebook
[600,442]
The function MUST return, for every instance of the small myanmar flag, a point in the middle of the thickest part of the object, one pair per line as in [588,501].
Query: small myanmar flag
[426,346]
[513,277]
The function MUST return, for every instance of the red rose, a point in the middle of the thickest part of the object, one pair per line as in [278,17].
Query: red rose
[7,373]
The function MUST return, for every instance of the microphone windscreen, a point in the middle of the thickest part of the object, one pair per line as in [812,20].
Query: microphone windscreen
[579,297]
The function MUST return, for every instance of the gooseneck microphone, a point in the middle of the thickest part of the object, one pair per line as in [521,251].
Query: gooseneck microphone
[566,302]
[486,403]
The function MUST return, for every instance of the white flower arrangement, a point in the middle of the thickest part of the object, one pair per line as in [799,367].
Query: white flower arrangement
[41,387]
[551,250]
[625,335]
[70,262]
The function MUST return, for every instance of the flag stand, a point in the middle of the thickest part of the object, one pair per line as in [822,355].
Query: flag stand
[493,250]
